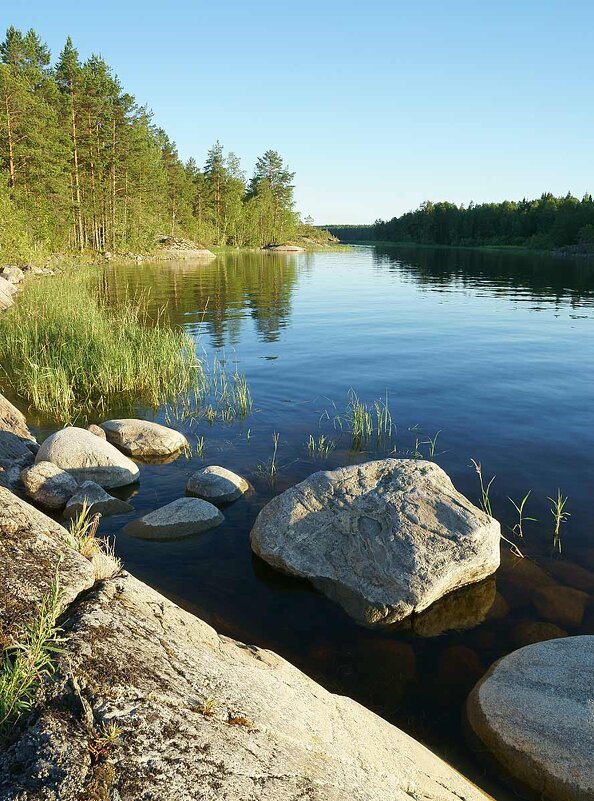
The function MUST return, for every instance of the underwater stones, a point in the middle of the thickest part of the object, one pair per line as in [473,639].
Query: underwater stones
[532,712]
[48,485]
[88,458]
[531,631]
[561,605]
[96,500]
[384,539]
[178,519]
[217,485]
[142,438]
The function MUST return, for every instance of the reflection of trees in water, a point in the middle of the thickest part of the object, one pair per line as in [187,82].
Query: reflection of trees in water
[541,276]
[215,296]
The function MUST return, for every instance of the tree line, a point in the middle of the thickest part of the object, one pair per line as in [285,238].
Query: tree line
[546,222]
[84,167]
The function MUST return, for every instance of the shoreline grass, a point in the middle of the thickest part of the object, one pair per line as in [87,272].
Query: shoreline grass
[67,352]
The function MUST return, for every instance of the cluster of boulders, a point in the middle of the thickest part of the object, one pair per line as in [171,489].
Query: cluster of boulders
[11,278]
[176,248]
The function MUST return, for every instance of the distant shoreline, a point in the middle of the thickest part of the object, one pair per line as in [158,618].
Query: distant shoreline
[565,252]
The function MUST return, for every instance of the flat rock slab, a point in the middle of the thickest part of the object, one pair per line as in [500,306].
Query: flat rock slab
[88,458]
[48,485]
[533,711]
[142,438]
[217,485]
[384,539]
[180,518]
[204,717]
[97,502]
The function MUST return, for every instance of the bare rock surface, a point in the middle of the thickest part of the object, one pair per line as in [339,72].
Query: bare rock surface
[180,518]
[88,458]
[97,430]
[33,551]
[384,539]
[217,485]
[14,275]
[175,248]
[286,248]
[48,485]
[7,290]
[16,444]
[142,438]
[203,717]
[533,712]
[97,502]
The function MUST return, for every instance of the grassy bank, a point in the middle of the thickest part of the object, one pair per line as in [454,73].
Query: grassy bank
[66,351]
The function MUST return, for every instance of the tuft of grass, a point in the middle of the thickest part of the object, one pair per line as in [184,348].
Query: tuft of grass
[360,421]
[208,707]
[273,465]
[518,527]
[82,536]
[560,516]
[29,659]
[383,418]
[242,396]
[431,441]
[67,350]
[200,447]
[320,447]
[104,741]
[485,489]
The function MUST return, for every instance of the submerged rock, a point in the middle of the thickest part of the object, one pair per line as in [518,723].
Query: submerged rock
[88,458]
[530,631]
[562,605]
[142,438]
[533,713]
[48,485]
[217,485]
[97,501]
[384,539]
[181,518]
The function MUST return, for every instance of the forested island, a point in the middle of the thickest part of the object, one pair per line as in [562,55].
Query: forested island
[85,168]
[547,223]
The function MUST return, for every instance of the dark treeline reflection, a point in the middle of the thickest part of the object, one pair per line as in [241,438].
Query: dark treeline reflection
[539,276]
[215,297]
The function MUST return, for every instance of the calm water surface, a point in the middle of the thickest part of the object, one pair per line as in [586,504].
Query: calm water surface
[494,351]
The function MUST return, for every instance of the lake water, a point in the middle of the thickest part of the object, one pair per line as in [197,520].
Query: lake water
[495,351]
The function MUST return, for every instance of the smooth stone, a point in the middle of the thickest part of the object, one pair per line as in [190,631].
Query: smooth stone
[571,574]
[97,431]
[217,485]
[529,632]
[14,275]
[88,458]
[48,485]
[181,518]
[97,501]
[533,713]
[143,438]
[562,605]
[384,539]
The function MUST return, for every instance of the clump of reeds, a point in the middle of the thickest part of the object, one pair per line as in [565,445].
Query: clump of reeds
[560,516]
[67,350]
[320,447]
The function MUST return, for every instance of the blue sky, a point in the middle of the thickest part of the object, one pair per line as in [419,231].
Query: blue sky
[376,105]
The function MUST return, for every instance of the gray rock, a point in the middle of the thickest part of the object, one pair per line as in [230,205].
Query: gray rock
[180,518]
[14,275]
[16,444]
[48,485]
[142,438]
[33,552]
[7,290]
[384,539]
[217,485]
[97,431]
[286,249]
[88,458]
[96,500]
[203,717]
[532,711]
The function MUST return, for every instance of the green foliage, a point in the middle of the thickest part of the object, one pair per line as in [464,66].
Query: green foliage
[83,165]
[66,350]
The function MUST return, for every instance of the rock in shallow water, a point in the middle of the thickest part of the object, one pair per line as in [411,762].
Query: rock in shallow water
[142,438]
[181,518]
[88,458]
[533,712]
[384,539]
[48,485]
[97,501]
[217,485]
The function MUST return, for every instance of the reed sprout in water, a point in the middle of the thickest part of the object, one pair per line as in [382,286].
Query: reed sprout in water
[518,527]
[560,516]
[485,489]
[321,446]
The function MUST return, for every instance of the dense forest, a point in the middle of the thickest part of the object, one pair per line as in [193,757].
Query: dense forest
[548,222]
[85,168]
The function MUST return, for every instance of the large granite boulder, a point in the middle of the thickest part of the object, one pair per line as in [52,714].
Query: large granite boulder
[33,553]
[533,714]
[48,485]
[88,458]
[7,290]
[217,485]
[180,518]
[94,498]
[384,539]
[141,438]
[202,716]
[14,275]
[17,444]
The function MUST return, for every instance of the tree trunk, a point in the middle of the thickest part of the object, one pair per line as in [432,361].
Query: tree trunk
[11,169]
[79,220]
